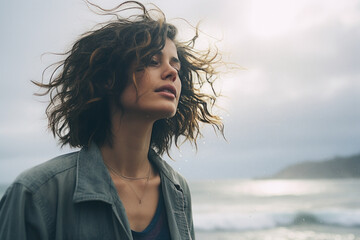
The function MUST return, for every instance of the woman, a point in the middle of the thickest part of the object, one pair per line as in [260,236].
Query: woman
[123,94]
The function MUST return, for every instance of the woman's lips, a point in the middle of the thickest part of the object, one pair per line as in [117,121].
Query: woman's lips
[167,90]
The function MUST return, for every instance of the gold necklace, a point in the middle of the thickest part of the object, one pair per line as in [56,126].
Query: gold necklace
[126,177]
[127,180]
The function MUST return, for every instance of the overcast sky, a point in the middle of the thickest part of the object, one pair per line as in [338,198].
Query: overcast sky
[297,100]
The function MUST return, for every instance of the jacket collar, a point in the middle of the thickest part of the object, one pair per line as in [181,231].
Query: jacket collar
[93,181]
[163,167]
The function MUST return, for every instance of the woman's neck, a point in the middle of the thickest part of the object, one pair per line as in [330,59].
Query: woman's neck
[128,153]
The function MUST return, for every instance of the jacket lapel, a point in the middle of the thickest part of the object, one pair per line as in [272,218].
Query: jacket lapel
[93,183]
[174,199]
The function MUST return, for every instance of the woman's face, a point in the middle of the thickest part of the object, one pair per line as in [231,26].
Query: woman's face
[158,87]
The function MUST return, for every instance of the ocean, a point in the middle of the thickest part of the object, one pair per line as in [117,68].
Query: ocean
[275,209]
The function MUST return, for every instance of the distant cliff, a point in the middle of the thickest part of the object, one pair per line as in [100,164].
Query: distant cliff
[338,167]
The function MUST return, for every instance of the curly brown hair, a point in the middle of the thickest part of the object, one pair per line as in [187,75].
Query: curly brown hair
[97,68]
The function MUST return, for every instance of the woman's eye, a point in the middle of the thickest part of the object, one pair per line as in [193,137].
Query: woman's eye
[154,61]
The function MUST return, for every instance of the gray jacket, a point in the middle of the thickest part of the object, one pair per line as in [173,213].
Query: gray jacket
[73,197]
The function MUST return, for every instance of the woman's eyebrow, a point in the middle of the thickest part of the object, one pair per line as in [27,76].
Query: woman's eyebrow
[173,60]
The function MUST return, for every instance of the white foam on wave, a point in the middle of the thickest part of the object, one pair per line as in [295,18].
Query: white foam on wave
[233,221]
[346,218]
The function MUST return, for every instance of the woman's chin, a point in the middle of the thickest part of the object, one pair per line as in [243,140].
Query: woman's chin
[169,114]
[162,113]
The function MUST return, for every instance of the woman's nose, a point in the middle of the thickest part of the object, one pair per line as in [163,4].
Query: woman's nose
[169,73]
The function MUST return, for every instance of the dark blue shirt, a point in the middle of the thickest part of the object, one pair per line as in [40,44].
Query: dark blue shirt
[158,229]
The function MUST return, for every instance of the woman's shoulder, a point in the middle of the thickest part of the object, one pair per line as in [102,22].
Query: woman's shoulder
[37,176]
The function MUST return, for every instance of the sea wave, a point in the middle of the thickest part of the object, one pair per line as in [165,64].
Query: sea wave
[258,221]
